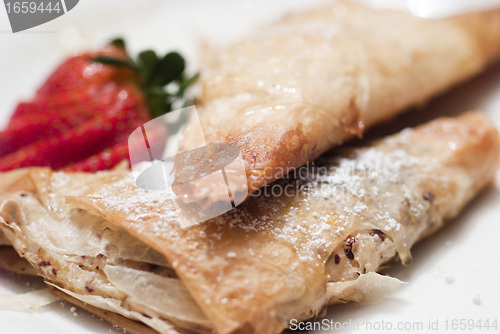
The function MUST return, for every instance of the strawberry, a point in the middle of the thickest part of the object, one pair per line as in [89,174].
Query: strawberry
[22,132]
[80,103]
[42,122]
[89,138]
[30,108]
[78,74]
[108,158]
[103,160]
[84,112]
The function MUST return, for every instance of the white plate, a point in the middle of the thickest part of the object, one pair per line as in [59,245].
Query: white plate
[449,269]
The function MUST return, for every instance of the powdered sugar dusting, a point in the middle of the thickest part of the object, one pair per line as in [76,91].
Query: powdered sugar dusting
[315,210]
[139,204]
[370,188]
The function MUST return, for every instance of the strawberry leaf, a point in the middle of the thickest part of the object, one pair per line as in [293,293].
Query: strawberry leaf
[168,69]
[147,62]
[106,60]
[118,42]
[158,101]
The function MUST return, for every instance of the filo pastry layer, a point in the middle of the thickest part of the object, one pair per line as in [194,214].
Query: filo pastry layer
[277,257]
[310,81]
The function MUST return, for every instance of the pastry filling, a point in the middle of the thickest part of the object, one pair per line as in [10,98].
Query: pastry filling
[362,252]
[102,265]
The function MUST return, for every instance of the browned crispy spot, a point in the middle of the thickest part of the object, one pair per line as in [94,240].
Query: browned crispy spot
[267,158]
[351,119]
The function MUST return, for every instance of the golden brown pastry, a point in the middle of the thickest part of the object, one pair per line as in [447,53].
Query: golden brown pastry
[298,87]
[313,239]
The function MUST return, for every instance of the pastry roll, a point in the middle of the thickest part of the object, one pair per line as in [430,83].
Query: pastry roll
[312,80]
[314,238]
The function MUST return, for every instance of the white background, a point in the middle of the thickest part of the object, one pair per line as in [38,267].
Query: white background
[466,251]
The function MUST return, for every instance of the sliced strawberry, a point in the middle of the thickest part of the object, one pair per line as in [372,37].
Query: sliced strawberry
[156,137]
[105,130]
[60,150]
[86,106]
[79,112]
[36,107]
[23,132]
[42,122]
[103,160]
[63,104]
